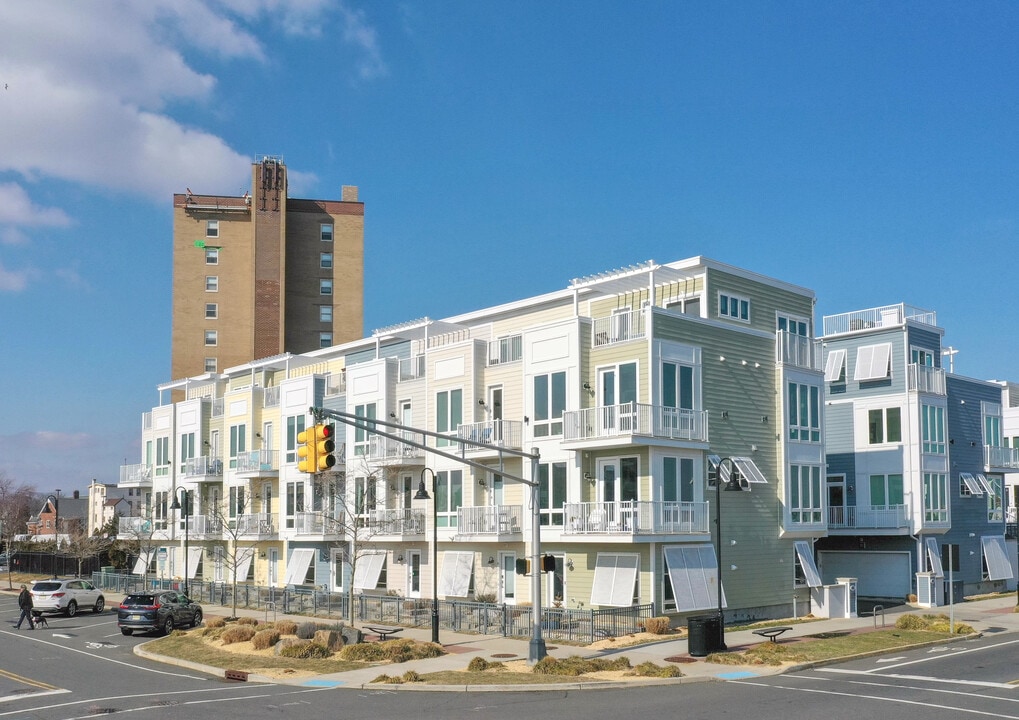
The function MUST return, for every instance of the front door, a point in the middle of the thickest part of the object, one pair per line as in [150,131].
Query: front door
[836,500]
[414,574]
[508,578]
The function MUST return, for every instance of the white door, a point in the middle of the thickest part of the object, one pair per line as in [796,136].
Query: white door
[414,574]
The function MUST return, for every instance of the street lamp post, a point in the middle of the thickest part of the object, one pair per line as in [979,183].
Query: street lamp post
[185,512]
[732,484]
[422,494]
[55,501]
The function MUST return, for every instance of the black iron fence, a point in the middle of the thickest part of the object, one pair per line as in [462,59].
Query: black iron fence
[48,563]
[557,623]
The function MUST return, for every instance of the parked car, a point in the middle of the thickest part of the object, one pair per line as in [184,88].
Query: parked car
[157,612]
[66,596]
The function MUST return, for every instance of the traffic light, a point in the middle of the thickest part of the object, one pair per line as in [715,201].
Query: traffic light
[307,457]
[325,447]
[523,566]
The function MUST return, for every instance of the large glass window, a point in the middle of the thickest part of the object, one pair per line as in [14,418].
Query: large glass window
[361,434]
[932,420]
[805,494]
[677,386]
[549,404]
[552,492]
[804,412]
[886,490]
[448,496]
[295,425]
[885,425]
[238,442]
[677,479]
[448,414]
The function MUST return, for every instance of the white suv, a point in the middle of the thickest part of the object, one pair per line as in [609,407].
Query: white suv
[66,596]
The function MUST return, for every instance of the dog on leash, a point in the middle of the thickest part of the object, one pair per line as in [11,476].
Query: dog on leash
[39,621]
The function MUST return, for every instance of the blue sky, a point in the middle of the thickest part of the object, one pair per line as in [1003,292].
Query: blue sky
[867,150]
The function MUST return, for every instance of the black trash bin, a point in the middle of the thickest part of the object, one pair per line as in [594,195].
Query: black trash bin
[703,635]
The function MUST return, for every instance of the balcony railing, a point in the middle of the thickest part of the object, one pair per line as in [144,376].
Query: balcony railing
[255,525]
[336,383]
[255,461]
[926,379]
[635,517]
[412,368]
[867,517]
[271,396]
[312,523]
[382,448]
[1001,457]
[490,520]
[397,521]
[137,527]
[619,327]
[503,433]
[140,474]
[204,526]
[885,316]
[628,419]
[202,466]
[797,350]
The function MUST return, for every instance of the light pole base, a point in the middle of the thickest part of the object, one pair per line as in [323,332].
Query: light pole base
[536,650]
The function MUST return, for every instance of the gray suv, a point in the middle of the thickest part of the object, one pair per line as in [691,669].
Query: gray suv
[158,612]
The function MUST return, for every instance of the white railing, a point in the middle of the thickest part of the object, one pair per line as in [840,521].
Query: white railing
[412,368]
[636,419]
[503,433]
[271,396]
[797,350]
[258,461]
[218,405]
[872,517]
[204,525]
[1001,457]
[926,379]
[200,466]
[336,383]
[140,474]
[489,520]
[396,521]
[635,517]
[134,526]
[383,448]
[619,327]
[884,316]
[257,524]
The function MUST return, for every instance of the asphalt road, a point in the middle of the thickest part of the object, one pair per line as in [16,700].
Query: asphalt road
[82,667]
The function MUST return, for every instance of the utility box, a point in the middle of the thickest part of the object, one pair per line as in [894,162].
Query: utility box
[831,601]
[850,583]
[930,590]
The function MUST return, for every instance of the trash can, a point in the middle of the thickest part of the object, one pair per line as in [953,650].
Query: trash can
[703,635]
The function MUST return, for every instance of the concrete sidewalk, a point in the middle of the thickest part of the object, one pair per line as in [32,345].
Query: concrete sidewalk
[991,615]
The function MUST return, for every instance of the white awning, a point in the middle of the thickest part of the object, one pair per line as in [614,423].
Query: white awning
[194,558]
[243,563]
[369,567]
[987,487]
[835,365]
[872,362]
[971,484]
[297,565]
[693,572]
[455,578]
[141,565]
[806,556]
[998,566]
[614,578]
[934,556]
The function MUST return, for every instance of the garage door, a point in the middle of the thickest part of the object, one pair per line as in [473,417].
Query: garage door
[879,574]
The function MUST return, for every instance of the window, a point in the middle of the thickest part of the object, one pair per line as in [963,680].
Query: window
[804,412]
[950,558]
[236,502]
[873,362]
[992,423]
[886,490]
[238,442]
[677,479]
[932,422]
[365,493]
[295,426]
[212,256]
[734,307]
[361,435]
[678,385]
[162,455]
[212,228]
[935,497]
[325,313]
[325,260]
[210,365]
[326,232]
[835,366]
[211,283]
[211,338]
[969,485]
[794,325]
[552,492]
[805,494]
[993,485]
[549,404]
[448,414]
[504,350]
[449,488]
[919,356]
[211,311]
[325,287]
[884,425]
[325,339]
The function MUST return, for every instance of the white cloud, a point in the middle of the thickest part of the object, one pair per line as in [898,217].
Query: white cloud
[16,208]
[359,33]
[14,281]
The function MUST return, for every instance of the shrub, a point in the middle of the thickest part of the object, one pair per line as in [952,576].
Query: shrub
[215,622]
[411,676]
[388,679]
[305,651]
[649,669]
[286,627]
[391,650]
[478,664]
[265,639]
[237,633]
[247,621]
[576,665]
[658,625]
[912,622]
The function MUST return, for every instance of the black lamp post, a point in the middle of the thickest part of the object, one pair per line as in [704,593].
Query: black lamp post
[732,484]
[422,494]
[185,512]
[55,501]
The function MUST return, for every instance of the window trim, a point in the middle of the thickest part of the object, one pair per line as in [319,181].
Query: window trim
[212,228]
[742,306]
[212,283]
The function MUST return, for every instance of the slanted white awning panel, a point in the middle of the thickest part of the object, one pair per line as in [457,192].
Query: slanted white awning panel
[614,578]
[835,365]
[297,566]
[998,566]
[806,556]
[693,572]
[142,563]
[934,556]
[455,578]
[243,563]
[369,567]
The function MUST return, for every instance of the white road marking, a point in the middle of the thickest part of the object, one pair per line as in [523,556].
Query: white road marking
[892,659]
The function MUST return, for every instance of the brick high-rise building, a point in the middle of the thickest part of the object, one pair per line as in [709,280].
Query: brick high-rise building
[262,274]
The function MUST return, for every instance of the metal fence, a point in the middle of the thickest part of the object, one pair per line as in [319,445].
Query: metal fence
[561,624]
[48,563]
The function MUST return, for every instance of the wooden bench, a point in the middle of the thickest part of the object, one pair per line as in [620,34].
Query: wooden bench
[383,631]
[772,633]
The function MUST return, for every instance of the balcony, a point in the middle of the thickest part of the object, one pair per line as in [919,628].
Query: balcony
[868,517]
[398,523]
[885,316]
[926,379]
[254,526]
[797,350]
[633,419]
[620,327]
[204,526]
[1000,458]
[497,522]
[257,463]
[316,523]
[139,475]
[387,450]
[636,517]
[501,433]
[203,469]
[134,527]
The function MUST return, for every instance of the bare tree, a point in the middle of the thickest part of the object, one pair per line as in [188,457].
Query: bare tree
[134,536]
[16,503]
[81,545]
[234,524]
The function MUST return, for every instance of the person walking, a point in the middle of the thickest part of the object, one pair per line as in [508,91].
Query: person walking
[25,603]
